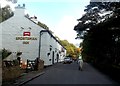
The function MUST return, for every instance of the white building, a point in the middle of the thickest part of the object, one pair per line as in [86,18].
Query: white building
[20,34]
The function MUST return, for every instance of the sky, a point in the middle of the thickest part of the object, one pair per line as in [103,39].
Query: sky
[59,15]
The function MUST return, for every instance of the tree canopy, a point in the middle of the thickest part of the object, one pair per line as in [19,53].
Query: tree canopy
[100,29]
[5,13]
[72,50]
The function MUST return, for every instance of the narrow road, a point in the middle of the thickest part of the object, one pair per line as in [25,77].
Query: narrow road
[69,74]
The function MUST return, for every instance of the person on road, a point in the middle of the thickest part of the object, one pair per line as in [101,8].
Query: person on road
[80,63]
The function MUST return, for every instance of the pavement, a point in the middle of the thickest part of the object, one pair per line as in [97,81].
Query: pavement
[25,77]
[0,71]
[0,76]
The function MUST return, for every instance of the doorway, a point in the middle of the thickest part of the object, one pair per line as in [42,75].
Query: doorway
[57,57]
[53,57]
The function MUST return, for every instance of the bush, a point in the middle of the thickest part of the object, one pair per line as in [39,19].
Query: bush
[111,70]
[5,53]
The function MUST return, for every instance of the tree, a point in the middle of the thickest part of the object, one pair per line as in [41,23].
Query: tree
[5,13]
[100,29]
[71,48]
[5,53]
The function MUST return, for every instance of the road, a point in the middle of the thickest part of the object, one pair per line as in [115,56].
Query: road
[69,74]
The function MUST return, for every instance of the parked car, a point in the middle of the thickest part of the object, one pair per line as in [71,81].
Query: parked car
[67,60]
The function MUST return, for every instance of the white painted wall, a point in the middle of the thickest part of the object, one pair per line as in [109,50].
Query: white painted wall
[11,29]
[45,48]
[46,41]
[15,27]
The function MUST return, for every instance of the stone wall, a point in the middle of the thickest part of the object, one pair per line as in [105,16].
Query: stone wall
[11,73]
[41,65]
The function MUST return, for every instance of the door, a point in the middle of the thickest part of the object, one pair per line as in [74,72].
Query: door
[53,57]
[57,57]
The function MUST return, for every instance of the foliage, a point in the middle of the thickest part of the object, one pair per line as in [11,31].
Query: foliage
[5,53]
[0,14]
[5,13]
[96,13]
[72,50]
[100,29]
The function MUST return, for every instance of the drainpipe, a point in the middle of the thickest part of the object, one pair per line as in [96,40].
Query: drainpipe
[39,44]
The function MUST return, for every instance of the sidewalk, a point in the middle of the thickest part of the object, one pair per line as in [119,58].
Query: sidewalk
[0,76]
[26,77]
[0,71]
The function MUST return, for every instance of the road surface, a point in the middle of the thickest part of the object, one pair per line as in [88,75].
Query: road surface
[69,74]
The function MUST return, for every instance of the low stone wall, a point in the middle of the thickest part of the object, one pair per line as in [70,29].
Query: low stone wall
[41,65]
[11,73]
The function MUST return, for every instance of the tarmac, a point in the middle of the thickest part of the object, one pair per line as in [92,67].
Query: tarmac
[24,78]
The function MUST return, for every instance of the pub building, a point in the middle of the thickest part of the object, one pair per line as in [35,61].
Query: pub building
[23,34]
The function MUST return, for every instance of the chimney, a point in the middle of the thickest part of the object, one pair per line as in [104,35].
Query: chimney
[34,19]
[14,1]
[20,10]
[24,5]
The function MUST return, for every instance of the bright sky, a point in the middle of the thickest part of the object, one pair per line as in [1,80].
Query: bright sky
[59,15]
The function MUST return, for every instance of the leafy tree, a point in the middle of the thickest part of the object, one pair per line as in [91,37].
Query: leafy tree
[100,29]
[96,12]
[5,53]
[0,14]
[71,48]
[5,13]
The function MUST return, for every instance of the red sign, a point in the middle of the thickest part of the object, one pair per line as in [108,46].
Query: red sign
[26,33]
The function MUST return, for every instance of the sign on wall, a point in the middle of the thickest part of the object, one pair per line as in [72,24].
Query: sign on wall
[26,37]
[26,33]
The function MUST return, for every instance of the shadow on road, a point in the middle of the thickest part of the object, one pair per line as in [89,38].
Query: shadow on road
[70,74]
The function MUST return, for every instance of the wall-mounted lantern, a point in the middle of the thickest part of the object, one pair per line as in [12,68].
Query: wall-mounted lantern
[48,54]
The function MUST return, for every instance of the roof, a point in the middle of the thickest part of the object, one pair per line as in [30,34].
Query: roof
[53,37]
[45,30]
